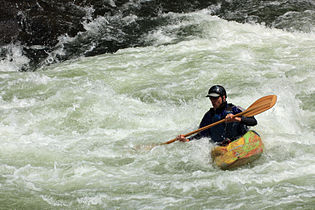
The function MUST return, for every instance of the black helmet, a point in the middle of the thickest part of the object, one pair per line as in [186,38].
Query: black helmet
[216,91]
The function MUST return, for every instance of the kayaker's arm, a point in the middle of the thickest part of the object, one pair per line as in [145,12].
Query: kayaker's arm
[249,121]
[182,138]
[205,121]
[196,137]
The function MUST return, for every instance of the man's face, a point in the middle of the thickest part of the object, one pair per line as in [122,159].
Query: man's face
[216,101]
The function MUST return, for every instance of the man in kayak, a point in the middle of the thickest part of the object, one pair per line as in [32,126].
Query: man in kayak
[224,133]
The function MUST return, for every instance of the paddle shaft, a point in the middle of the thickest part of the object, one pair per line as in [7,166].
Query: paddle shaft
[257,107]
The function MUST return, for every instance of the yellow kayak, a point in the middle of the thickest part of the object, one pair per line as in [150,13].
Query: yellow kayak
[239,152]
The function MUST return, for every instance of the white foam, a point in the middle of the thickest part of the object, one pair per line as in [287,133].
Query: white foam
[14,60]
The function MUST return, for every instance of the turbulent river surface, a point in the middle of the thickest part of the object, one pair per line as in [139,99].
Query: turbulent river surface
[75,135]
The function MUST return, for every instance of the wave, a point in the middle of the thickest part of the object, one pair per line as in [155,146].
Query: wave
[44,32]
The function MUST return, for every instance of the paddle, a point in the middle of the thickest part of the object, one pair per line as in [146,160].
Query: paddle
[256,108]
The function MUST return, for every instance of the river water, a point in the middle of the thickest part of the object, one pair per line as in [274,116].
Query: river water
[74,135]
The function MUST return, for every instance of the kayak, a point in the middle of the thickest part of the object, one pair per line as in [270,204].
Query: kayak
[244,150]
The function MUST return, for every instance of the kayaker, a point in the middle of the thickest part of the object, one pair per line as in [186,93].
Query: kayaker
[224,133]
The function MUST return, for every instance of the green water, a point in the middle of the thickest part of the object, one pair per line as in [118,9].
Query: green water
[74,135]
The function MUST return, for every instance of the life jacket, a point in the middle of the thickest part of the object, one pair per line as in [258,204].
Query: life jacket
[223,132]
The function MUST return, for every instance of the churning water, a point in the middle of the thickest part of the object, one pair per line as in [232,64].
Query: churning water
[68,132]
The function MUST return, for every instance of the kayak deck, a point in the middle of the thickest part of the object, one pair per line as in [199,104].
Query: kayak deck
[239,152]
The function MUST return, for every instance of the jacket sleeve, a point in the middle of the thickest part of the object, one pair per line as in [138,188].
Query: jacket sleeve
[203,123]
[249,121]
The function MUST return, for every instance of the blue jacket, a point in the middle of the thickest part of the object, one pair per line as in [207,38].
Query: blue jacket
[224,132]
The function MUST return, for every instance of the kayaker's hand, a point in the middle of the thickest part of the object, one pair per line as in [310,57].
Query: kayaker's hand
[232,118]
[181,138]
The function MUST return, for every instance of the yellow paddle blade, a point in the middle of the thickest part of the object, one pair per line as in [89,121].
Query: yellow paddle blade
[259,106]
